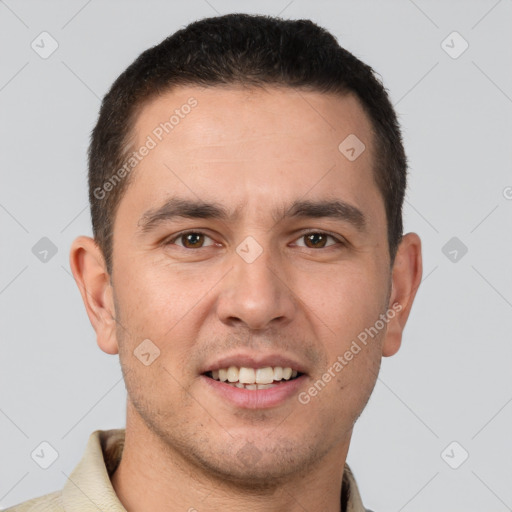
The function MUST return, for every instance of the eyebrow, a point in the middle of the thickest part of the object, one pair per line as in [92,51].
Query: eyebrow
[177,207]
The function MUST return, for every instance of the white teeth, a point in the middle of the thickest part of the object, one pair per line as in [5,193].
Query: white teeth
[247,376]
[265,375]
[278,373]
[251,386]
[253,378]
[265,386]
[233,374]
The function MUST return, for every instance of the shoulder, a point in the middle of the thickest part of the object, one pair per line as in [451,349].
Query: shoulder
[48,503]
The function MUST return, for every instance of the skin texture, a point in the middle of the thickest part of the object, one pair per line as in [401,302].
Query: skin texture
[257,150]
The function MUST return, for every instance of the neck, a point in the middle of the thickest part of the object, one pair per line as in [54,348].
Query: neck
[154,476]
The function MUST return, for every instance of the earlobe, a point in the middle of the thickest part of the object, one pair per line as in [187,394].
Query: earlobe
[89,270]
[406,278]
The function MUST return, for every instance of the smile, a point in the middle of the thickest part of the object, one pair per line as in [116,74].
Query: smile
[253,378]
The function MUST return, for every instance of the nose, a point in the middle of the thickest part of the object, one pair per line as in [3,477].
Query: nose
[256,294]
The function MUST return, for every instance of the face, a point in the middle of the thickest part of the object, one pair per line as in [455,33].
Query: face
[247,239]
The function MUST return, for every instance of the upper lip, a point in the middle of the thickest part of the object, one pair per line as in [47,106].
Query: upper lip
[254,361]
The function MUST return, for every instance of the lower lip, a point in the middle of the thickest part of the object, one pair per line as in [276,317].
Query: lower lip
[256,398]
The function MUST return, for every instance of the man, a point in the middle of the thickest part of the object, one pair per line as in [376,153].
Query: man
[246,181]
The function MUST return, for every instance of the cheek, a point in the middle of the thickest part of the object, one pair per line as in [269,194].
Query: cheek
[152,368]
[153,389]
[353,300]
[347,300]
[155,298]
[166,306]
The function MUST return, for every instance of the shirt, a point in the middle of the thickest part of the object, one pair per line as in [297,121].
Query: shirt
[89,488]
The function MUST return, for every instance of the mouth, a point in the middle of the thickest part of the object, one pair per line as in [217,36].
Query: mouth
[254,379]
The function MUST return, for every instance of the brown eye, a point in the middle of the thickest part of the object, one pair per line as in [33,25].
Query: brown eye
[317,240]
[191,240]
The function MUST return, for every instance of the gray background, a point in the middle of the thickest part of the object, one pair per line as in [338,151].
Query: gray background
[451,380]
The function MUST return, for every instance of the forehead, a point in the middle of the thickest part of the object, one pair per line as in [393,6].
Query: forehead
[251,147]
[228,116]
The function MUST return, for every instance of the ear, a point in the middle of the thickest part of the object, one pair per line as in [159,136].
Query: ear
[90,272]
[405,280]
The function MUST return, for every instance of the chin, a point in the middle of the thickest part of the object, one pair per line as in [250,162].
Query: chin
[260,465]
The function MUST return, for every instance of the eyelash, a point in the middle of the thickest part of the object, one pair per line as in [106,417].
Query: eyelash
[196,232]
